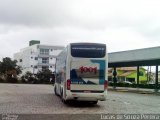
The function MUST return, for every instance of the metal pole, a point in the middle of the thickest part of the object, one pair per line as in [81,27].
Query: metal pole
[156,79]
[137,76]
[114,77]
[148,74]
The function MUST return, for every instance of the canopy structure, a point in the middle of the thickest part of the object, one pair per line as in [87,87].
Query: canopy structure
[138,57]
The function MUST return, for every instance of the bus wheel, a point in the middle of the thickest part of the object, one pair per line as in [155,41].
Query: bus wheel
[63,100]
[61,95]
[55,91]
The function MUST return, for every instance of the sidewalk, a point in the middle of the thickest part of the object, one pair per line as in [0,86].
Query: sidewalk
[134,90]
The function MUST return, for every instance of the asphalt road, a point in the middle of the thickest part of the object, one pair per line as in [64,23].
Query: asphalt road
[40,99]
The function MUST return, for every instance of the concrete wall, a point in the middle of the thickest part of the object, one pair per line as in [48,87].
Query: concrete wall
[28,55]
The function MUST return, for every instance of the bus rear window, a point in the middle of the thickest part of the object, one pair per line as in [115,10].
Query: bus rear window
[88,50]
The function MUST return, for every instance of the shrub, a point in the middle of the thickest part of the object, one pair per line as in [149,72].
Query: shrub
[11,79]
[44,76]
[1,80]
[29,78]
[147,86]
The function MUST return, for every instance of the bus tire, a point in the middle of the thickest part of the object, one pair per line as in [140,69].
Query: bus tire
[55,91]
[63,100]
[61,94]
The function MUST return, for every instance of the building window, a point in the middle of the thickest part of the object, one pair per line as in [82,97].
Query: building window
[50,58]
[36,58]
[44,51]
[31,57]
[45,67]
[20,60]
[35,67]
[50,66]
[45,60]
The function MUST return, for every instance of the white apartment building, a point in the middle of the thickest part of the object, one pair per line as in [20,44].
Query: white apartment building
[37,57]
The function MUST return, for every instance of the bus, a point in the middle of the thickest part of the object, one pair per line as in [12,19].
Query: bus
[81,72]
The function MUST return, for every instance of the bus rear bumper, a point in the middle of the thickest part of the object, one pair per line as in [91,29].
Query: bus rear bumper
[86,96]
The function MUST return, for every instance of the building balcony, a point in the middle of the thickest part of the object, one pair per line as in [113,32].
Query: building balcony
[45,55]
[45,64]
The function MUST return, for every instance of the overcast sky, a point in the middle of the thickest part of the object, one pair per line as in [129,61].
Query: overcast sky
[121,24]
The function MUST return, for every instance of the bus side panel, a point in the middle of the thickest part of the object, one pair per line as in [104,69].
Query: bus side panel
[61,72]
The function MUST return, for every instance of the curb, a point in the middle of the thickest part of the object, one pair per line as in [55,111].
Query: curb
[133,91]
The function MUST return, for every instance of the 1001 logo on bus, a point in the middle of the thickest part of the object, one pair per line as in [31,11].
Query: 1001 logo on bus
[88,69]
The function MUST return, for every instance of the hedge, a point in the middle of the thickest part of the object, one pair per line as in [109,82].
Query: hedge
[148,86]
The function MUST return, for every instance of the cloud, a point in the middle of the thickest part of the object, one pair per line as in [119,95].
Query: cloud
[79,13]
[32,12]
[121,24]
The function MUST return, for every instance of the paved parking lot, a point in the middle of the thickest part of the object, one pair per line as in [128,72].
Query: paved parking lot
[40,99]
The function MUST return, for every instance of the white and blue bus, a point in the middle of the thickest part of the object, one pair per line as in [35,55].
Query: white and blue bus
[81,72]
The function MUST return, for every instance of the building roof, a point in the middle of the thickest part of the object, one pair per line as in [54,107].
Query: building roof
[127,71]
[126,68]
[43,46]
[110,74]
[135,55]
[122,75]
[125,74]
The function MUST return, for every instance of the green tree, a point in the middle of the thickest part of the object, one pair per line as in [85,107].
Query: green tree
[44,76]
[29,78]
[10,69]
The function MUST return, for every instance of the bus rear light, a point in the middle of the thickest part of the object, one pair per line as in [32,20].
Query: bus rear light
[105,84]
[68,84]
